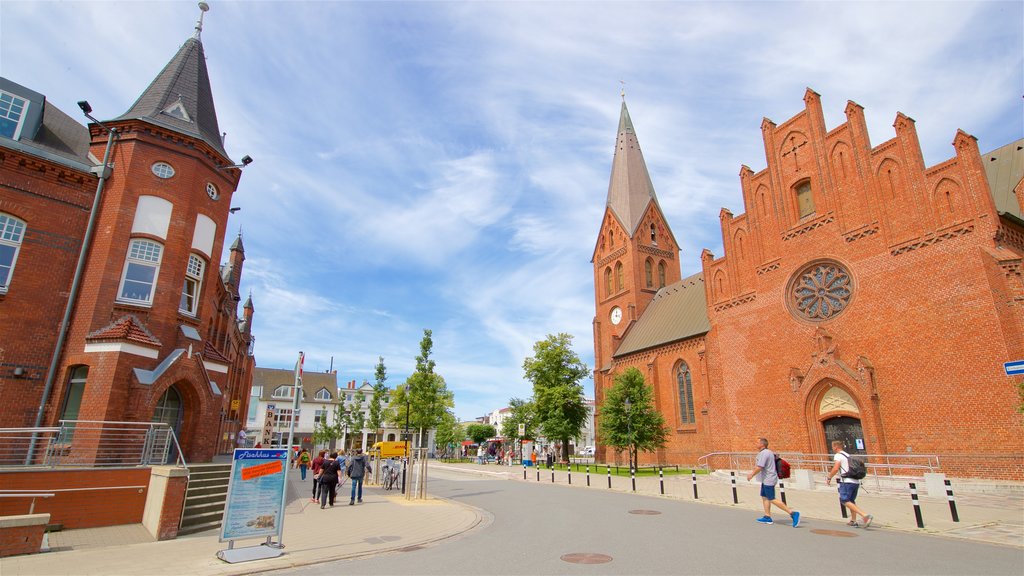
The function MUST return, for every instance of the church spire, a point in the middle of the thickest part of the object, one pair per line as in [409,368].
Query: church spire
[180,97]
[630,189]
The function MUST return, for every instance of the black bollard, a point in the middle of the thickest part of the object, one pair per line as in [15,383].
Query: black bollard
[538,473]
[661,479]
[735,498]
[552,473]
[782,492]
[524,470]
[952,502]
[588,475]
[570,475]
[917,505]
[693,478]
[632,476]
[609,476]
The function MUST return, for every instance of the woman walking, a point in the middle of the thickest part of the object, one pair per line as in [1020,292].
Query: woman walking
[318,464]
[329,480]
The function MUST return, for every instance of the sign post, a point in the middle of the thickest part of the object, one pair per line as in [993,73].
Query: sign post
[252,508]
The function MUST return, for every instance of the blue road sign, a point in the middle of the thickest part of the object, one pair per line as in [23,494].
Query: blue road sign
[1014,368]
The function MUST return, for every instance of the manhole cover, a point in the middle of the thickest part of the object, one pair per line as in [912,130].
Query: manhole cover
[836,533]
[586,558]
[645,512]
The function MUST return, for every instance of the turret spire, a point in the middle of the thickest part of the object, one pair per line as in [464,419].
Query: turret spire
[630,189]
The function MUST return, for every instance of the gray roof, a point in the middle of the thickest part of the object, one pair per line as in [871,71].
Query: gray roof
[312,382]
[1004,168]
[56,136]
[185,80]
[678,311]
[630,189]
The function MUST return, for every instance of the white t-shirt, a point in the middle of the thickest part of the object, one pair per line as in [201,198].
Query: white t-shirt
[844,466]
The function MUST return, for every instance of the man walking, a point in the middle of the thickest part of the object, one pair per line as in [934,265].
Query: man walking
[765,466]
[356,470]
[848,487]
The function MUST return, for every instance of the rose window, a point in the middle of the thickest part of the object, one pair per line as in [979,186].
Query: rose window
[820,291]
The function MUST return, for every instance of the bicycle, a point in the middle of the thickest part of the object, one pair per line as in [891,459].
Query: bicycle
[390,478]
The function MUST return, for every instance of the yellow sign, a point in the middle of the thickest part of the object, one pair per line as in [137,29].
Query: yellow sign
[235,404]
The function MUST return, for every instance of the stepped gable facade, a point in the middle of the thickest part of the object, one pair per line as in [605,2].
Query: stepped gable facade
[154,332]
[861,296]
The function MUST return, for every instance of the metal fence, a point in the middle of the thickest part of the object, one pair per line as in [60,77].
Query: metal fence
[91,444]
[878,465]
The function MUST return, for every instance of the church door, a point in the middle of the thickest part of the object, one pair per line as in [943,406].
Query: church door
[169,411]
[848,430]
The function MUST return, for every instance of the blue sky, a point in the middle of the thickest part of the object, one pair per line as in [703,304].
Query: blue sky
[445,165]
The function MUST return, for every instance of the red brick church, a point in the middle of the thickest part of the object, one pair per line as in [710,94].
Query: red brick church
[862,296]
[114,302]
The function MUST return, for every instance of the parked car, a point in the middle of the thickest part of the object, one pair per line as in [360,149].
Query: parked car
[587,451]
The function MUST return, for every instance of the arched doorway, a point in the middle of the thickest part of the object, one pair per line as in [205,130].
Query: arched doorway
[169,411]
[840,420]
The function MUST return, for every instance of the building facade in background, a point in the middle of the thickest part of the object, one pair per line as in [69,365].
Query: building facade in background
[153,331]
[862,296]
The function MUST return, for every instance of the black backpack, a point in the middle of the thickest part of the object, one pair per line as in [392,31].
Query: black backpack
[858,469]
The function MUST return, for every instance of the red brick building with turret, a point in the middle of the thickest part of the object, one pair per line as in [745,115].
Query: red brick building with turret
[862,296]
[131,254]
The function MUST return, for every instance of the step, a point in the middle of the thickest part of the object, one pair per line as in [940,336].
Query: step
[204,509]
[201,499]
[204,518]
[207,483]
[195,529]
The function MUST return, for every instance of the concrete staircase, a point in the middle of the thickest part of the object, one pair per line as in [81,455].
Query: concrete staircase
[205,498]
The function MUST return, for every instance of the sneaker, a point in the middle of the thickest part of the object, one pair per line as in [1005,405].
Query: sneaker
[321,506]
[853,523]
[313,500]
[796,518]
[360,500]
[351,503]
[765,520]
[868,519]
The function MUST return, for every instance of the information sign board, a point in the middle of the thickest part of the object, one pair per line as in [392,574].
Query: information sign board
[255,501]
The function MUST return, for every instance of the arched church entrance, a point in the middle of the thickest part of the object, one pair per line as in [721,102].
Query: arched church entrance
[169,411]
[840,420]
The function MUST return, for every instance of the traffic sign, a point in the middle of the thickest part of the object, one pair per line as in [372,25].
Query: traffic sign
[1014,368]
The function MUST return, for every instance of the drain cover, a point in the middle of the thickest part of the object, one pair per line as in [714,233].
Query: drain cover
[586,558]
[836,533]
[645,512]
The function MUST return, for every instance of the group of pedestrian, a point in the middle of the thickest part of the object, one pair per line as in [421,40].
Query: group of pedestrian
[330,472]
[764,466]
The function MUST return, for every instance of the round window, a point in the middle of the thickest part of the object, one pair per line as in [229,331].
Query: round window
[163,170]
[211,191]
[820,291]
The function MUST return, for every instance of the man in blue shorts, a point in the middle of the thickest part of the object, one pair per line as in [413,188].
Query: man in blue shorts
[848,487]
[765,466]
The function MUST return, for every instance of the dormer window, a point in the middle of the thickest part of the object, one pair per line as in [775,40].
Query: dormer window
[177,110]
[323,395]
[12,115]
[804,198]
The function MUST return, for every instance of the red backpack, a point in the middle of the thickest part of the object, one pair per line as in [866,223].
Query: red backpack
[781,468]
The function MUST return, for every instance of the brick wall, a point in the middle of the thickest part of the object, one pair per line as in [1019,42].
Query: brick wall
[80,508]
[22,534]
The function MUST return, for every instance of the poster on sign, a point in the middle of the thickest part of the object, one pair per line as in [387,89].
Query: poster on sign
[255,501]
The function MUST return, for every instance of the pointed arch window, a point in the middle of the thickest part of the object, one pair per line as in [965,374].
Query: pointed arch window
[654,234]
[649,272]
[618,277]
[661,274]
[608,281]
[684,380]
[804,198]
[12,231]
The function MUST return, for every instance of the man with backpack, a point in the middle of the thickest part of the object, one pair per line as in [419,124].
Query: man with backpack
[357,468]
[848,473]
[765,466]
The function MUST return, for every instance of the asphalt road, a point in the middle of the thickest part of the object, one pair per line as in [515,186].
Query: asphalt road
[532,526]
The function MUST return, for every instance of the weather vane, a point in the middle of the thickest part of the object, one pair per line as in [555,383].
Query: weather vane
[203,7]
[623,82]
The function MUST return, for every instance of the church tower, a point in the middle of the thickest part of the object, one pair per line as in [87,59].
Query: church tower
[636,253]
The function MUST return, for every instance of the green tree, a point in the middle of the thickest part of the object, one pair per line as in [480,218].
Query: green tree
[356,418]
[449,434]
[556,371]
[479,433]
[520,412]
[640,426]
[377,410]
[424,398]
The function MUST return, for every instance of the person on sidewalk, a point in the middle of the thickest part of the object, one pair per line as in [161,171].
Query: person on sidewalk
[304,462]
[765,466]
[848,487]
[329,475]
[317,465]
[356,470]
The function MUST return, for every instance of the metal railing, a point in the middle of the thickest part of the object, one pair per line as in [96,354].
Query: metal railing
[91,444]
[878,465]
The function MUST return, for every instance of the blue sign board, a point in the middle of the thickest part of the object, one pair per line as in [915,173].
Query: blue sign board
[1014,368]
[255,501]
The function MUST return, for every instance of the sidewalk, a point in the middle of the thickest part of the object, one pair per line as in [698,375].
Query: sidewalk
[990,518]
[384,522]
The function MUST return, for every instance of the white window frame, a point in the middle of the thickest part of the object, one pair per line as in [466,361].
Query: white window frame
[142,253]
[323,395]
[320,415]
[284,391]
[193,279]
[162,170]
[12,233]
[6,111]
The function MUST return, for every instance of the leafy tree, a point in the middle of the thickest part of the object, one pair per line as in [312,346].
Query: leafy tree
[376,418]
[356,418]
[479,433]
[520,412]
[449,433]
[639,427]
[556,371]
[424,398]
